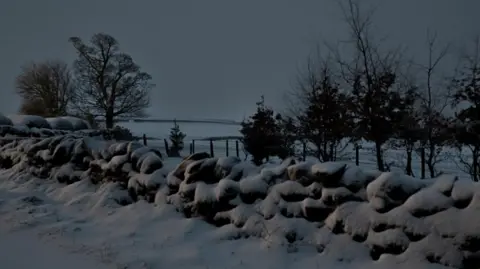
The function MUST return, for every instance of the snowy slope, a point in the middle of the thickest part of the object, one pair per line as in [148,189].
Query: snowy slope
[14,255]
[124,206]
[144,236]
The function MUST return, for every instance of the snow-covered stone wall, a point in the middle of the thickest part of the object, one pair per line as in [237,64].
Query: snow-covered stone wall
[329,206]
[15,132]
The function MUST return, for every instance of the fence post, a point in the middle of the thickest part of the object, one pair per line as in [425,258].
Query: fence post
[422,157]
[193,146]
[304,151]
[166,147]
[236,149]
[211,148]
[226,147]
[144,140]
[357,155]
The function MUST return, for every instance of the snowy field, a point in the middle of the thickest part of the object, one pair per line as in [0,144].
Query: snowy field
[396,158]
[192,130]
[85,225]
[79,226]
[40,255]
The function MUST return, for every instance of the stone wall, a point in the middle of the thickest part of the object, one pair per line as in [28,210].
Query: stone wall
[386,215]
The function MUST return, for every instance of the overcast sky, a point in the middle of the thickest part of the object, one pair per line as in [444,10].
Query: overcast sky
[210,59]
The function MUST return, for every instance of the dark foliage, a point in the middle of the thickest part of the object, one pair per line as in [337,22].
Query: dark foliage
[176,138]
[261,136]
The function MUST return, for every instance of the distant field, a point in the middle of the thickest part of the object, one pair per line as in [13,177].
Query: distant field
[158,120]
[193,129]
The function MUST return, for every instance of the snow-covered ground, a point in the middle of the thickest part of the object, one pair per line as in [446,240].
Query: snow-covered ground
[427,223]
[80,219]
[25,250]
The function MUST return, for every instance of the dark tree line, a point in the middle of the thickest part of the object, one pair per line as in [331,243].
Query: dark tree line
[375,94]
[102,82]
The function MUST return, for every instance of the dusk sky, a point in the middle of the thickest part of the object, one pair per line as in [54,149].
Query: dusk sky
[212,59]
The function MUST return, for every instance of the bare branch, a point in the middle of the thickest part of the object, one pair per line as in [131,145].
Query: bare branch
[111,82]
[46,88]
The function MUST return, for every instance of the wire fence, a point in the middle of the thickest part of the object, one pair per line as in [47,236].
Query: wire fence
[363,155]
[215,147]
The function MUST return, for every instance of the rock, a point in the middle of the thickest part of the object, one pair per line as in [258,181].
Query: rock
[149,163]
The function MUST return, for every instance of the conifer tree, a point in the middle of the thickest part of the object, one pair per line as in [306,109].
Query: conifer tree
[261,134]
[176,138]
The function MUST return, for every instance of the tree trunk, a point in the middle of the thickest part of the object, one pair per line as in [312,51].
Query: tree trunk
[332,156]
[431,169]
[378,148]
[475,164]
[304,151]
[408,169]
[167,150]
[318,153]
[422,159]
[237,148]
[109,119]
[212,153]
[226,148]
[357,155]
[430,164]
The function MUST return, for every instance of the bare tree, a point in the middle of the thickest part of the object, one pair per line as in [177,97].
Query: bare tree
[46,88]
[372,75]
[467,129]
[110,83]
[433,101]
[33,107]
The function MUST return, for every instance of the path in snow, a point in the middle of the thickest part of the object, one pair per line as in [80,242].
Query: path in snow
[25,250]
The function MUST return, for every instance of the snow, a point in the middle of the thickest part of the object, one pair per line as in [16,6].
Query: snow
[427,201]
[5,121]
[30,121]
[123,206]
[225,188]
[60,124]
[204,194]
[77,123]
[40,255]
[149,163]
[327,168]
[73,218]
[253,184]
[392,189]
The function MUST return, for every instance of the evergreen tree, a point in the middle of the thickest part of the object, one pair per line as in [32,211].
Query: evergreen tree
[287,136]
[176,138]
[261,134]
[378,108]
[326,121]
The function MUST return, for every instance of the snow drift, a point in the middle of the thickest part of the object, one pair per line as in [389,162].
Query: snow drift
[30,121]
[15,132]
[67,123]
[372,215]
